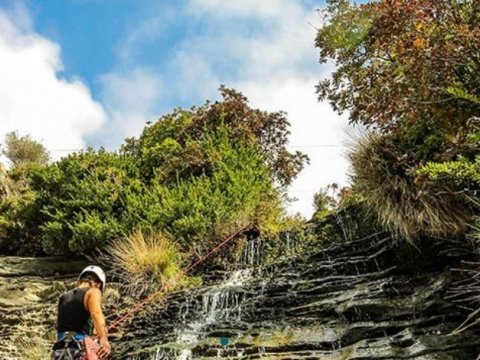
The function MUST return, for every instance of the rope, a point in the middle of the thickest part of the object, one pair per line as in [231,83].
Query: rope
[141,304]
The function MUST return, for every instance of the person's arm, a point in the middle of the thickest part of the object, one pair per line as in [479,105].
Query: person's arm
[94,307]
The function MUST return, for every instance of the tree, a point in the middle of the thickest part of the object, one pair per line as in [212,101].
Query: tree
[402,61]
[172,146]
[325,200]
[23,149]
[409,70]
[195,175]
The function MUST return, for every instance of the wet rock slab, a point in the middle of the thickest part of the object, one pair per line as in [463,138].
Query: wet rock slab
[29,290]
[358,300]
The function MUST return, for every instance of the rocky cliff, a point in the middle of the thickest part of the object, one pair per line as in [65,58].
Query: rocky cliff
[29,289]
[369,298]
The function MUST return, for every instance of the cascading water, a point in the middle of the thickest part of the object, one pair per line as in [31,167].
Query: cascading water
[253,253]
[222,302]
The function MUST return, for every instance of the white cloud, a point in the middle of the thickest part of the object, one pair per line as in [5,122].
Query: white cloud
[276,39]
[35,100]
[130,101]
[244,8]
[316,131]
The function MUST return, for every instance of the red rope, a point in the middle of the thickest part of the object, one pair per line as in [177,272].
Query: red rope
[141,304]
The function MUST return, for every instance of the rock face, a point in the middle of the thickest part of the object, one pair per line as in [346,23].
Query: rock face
[364,299]
[29,289]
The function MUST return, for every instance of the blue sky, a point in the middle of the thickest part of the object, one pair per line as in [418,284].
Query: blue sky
[80,73]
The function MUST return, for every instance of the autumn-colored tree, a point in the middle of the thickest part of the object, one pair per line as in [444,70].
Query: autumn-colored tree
[409,70]
[403,61]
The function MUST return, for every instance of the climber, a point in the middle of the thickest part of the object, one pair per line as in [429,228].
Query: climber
[79,311]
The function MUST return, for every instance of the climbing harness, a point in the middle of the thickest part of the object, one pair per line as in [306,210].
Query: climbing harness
[72,346]
[140,305]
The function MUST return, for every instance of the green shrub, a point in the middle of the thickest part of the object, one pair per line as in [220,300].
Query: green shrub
[195,175]
[19,220]
[81,200]
[460,175]
[173,146]
[198,211]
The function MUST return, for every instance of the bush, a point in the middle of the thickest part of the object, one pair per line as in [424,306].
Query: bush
[19,215]
[145,262]
[198,211]
[385,178]
[81,200]
[195,175]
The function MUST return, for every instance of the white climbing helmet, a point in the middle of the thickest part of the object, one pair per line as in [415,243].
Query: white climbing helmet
[97,270]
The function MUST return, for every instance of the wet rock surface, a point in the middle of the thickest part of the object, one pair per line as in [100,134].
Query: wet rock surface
[365,299]
[29,290]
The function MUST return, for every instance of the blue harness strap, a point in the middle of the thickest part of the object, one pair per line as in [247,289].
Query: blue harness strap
[77,336]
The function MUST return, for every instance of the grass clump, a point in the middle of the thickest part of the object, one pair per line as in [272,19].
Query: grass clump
[385,176]
[145,262]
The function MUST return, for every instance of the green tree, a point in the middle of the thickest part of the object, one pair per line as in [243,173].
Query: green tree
[198,210]
[23,149]
[194,175]
[171,147]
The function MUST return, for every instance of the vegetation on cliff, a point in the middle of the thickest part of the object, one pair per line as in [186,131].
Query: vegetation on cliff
[194,176]
[409,71]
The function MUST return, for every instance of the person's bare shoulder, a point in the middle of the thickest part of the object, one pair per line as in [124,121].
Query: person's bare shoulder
[93,299]
[94,291]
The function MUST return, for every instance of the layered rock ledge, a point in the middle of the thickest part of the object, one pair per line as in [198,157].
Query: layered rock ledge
[365,299]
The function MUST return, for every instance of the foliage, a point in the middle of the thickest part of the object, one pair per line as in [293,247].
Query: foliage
[195,176]
[23,149]
[146,262]
[81,198]
[87,200]
[198,211]
[18,222]
[5,184]
[17,208]
[172,146]
[325,201]
[384,74]
[409,70]
[462,174]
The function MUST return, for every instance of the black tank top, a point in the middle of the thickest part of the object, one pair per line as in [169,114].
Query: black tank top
[72,315]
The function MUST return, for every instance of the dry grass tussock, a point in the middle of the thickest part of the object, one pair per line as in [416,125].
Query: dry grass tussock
[386,182]
[145,262]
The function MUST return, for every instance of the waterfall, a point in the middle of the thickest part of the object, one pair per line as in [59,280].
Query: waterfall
[253,253]
[222,302]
